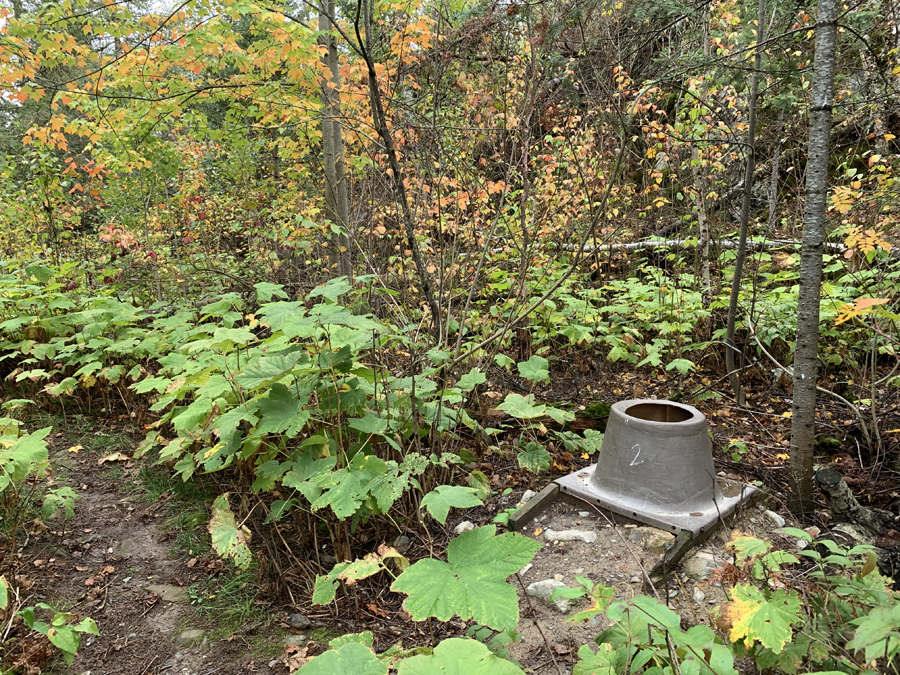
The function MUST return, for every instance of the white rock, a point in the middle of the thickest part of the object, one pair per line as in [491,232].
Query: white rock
[558,577]
[526,568]
[571,535]
[584,514]
[775,518]
[528,496]
[699,596]
[542,590]
[701,565]
[464,526]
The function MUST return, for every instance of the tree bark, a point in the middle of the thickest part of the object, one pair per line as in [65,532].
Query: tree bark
[845,508]
[803,418]
[379,121]
[730,348]
[337,206]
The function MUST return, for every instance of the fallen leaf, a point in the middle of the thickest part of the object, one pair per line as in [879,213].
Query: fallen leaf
[191,562]
[113,457]
[109,569]
[377,611]
[76,448]
[538,531]
[80,569]
[294,657]
[89,581]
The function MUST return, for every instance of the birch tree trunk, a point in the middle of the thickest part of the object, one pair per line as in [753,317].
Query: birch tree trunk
[803,418]
[337,203]
[730,349]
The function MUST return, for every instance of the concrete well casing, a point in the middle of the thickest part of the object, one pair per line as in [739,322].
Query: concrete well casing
[655,466]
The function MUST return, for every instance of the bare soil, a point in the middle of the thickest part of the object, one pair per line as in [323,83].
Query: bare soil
[102,564]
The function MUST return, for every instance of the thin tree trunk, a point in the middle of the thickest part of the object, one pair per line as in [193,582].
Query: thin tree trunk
[337,207]
[803,418]
[700,192]
[773,177]
[730,363]
[379,121]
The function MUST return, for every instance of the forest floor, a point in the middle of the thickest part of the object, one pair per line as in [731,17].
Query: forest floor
[136,556]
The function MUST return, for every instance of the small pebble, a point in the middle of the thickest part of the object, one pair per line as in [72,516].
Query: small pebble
[635,579]
[584,514]
[464,526]
[699,596]
[558,577]
[775,518]
[673,593]
[579,570]
[526,568]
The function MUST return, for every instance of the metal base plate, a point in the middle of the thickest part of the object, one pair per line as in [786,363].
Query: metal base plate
[578,484]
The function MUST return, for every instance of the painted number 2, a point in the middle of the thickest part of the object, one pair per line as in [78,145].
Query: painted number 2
[635,462]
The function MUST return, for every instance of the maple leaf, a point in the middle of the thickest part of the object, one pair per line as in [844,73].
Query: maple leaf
[754,618]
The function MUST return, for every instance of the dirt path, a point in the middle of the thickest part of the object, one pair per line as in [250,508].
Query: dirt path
[122,561]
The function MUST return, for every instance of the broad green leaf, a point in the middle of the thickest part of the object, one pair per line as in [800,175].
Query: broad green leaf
[559,416]
[67,640]
[480,483]
[534,457]
[522,407]
[754,618]
[351,659]
[228,337]
[324,590]
[471,380]
[365,638]
[371,423]
[472,583]
[503,361]
[796,532]
[228,540]
[683,366]
[536,369]
[40,272]
[601,663]
[458,656]
[331,290]
[881,624]
[346,490]
[653,612]
[266,370]
[26,454]
[4,593]
[265,291]
[593,441]
[444,497]
[748,547]
[280,412]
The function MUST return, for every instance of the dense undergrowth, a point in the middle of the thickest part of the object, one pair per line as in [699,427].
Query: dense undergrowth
[331,418]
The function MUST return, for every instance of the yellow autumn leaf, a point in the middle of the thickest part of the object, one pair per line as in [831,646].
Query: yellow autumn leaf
[213,450]
[75,448]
